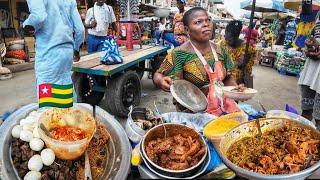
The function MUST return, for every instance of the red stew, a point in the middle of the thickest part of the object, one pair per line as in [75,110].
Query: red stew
[68,133]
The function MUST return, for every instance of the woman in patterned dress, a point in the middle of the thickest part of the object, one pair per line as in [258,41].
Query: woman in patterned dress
[183,62]
[236,49]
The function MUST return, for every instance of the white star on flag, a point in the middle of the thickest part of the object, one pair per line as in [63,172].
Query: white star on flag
[45,90]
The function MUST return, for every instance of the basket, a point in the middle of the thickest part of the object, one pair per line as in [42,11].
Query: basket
[215,139]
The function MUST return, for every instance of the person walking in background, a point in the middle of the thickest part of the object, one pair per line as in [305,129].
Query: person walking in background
[254,33]
[236,48]
[98,19]
[177,35]
[161,27]
[59,33]
[309,80]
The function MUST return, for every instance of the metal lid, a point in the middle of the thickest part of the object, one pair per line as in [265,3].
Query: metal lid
[189,95]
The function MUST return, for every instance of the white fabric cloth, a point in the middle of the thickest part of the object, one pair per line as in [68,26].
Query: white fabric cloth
[310,75]
[162,27]
[104,15]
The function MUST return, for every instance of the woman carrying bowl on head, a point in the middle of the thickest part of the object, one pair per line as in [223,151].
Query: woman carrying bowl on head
[201,62]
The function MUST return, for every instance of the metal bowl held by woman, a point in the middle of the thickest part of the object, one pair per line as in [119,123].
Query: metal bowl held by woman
[286,149]
[189,95]
[174,150]
[114,163]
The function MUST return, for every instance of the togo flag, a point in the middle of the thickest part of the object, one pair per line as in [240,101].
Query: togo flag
[54,95]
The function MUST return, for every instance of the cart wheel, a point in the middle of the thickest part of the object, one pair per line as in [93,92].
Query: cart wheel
[82,83]
[140,73]
[122,92]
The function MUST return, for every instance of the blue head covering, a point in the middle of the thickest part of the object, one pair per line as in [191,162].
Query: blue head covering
[181,1]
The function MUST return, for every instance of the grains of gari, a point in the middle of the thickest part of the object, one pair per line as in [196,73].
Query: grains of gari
[219,127]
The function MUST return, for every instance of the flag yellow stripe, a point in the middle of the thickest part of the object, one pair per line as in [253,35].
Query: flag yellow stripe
[62,91]
[55,100]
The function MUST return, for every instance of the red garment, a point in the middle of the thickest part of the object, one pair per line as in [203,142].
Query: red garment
[214,105]
[254,35]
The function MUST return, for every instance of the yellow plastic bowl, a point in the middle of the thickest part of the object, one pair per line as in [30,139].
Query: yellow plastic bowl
[217,128]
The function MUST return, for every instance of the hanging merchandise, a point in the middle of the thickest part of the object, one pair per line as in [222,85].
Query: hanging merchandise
[290,34]
[128,9]
[304,28]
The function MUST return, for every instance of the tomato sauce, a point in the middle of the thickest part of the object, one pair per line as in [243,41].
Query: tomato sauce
[68,133]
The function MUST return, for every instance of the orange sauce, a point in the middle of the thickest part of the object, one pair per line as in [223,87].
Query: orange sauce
[68,133]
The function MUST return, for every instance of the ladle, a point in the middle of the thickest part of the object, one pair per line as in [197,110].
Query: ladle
[87,167]
[159,114]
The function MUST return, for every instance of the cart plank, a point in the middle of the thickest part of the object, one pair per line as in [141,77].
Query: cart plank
[90,64]
[92,60]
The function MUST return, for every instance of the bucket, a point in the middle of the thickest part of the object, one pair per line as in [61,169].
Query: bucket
[134,132]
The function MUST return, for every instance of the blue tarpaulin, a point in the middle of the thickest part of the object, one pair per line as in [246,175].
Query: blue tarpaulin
[264,5]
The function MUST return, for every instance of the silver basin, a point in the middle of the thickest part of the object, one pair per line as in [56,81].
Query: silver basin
[250,129]
[118,162]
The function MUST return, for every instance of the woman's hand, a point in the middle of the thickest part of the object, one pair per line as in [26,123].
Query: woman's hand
[162,81]
[165,83]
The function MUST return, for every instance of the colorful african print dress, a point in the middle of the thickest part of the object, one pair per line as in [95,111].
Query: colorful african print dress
[181,64]
[237,54]
[178,30]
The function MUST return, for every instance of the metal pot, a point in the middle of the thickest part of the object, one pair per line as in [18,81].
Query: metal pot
[250,129]
[171,130]
[119,148]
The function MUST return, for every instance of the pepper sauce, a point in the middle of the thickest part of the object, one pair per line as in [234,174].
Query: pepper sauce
[68,133]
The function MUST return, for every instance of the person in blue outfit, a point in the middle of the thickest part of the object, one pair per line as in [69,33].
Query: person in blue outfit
[98,19]
[59,33]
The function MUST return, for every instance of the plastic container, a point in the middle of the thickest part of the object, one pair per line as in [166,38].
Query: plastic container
[289,115]
[74,117]
[134,132]
[215,139]
[239,96]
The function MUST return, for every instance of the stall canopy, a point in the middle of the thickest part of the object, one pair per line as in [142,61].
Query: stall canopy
[295,4]
[264,5]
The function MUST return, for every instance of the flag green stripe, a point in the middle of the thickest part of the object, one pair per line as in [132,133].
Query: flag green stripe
[49,104]
[57,86]
[62,96]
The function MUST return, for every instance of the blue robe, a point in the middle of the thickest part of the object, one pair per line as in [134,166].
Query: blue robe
[58,32]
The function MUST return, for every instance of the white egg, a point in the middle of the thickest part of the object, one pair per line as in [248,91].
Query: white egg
[28,127]
[16,130]
[32,175]
[31,119]
[33,113]
[36,144]
[35,163]
[36,133]
[47,156]
[22,122]
[26,135]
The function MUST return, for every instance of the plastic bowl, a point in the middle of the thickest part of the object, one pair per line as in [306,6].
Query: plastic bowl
[74,117]
[289,115]
[16,47]
[239,96]
[215,139]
